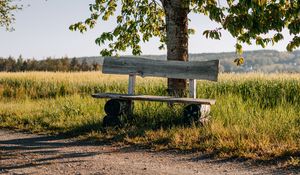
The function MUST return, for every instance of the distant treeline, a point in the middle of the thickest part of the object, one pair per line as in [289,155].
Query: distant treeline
[267,61]
[65,64]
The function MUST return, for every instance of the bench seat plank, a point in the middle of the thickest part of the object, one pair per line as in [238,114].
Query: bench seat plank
[155,98]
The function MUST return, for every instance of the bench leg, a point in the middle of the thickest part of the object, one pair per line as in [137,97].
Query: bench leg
[111,121]
[115,109]
[198,114]
[205,114]
[130,107]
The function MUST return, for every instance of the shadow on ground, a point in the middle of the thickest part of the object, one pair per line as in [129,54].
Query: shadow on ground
[49,146]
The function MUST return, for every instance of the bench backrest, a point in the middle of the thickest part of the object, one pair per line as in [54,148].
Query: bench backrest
[206,70]
[132,66]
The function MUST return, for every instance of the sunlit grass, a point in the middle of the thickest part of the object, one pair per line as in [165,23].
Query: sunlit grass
[256,115]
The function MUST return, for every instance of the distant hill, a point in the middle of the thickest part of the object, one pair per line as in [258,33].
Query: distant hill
[262,60]
[255,61]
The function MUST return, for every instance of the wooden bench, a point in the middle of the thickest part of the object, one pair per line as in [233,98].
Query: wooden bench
[197,110]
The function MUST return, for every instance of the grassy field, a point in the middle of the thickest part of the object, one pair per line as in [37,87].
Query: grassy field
[256,115]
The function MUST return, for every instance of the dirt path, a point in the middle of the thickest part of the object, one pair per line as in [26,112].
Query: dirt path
[39,154]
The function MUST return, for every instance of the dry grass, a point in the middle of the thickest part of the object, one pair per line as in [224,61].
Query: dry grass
[78,77]
[256,115]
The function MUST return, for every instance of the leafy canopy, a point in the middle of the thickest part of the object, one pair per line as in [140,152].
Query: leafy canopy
[7,7]
[247,21]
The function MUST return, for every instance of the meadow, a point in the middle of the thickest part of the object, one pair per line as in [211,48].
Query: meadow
[256,115]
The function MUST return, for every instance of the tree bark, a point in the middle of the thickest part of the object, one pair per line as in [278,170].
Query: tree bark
[176,12]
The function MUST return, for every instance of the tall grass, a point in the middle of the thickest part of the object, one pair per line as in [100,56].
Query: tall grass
[268,90]
[256,115]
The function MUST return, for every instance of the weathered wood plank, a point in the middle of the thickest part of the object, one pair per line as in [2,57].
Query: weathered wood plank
[131,84]
[206,70]
[155,98]
[193,88]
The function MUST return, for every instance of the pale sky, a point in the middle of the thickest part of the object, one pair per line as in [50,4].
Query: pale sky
[42,30]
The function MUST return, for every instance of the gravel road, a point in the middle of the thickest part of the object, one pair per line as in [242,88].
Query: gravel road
[22,153]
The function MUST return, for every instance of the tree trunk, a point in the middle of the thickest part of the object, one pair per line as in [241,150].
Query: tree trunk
[177,40]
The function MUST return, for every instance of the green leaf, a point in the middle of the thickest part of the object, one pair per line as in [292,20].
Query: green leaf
[141,20]
[239,61]
[238,48]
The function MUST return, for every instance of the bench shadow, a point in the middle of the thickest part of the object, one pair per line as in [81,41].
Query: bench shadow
[140,129]
[212,157]
[41,145]
[49,146]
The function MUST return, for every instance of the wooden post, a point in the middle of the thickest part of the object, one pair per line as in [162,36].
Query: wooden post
[195,113]
[116,107]
[131,84]
[193,88]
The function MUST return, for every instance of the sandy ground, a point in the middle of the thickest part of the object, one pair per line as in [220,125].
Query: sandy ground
[22,153]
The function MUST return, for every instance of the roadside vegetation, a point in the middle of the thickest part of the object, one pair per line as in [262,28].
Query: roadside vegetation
[256,115]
